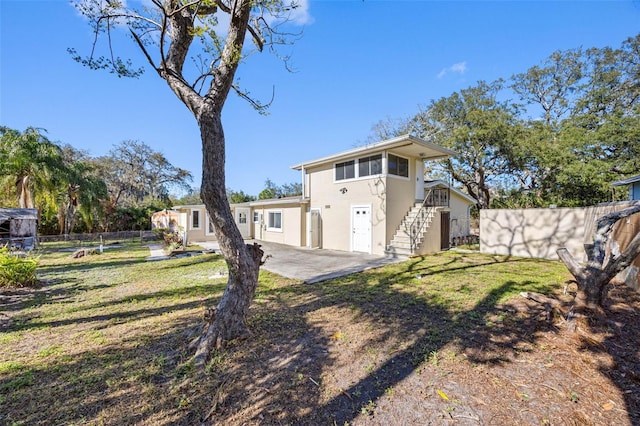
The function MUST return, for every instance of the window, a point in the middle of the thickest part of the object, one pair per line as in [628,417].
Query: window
[369,166]
[398,166]
[256,217]
[274,220]
[242,217]
[195,219]
[345,170]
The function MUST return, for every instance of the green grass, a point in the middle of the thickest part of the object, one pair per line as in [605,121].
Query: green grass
[106,335]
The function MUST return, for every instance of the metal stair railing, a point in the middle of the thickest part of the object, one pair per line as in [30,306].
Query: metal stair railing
[434,198]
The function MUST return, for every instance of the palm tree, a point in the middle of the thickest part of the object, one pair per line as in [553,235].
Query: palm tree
[33,163]
[81,192]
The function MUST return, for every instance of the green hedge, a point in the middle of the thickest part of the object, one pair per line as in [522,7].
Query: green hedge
[17,271]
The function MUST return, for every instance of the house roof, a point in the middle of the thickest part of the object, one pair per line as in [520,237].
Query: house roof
[256,203]
[441,183]
[6,214]
[627,181]
[275,201]
[407,145]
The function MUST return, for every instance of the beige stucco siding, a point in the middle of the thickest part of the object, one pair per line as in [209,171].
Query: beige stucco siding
[389,197]
[400,198]
[432,243]
[460,226]
[335,206]
[199,233]
[293,223]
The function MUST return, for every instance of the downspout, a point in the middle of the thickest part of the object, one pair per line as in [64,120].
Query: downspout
[303,182]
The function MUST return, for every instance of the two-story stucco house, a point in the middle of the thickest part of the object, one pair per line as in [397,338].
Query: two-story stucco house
[371,199]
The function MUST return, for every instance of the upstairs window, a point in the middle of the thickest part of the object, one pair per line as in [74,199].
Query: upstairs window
[346,170]
[369,166]
[398,166]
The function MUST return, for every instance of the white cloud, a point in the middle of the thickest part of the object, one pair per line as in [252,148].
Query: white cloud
[300,15]
[460,68]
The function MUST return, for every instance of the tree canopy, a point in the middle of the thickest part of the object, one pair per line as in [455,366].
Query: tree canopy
[559,133]
[75,192]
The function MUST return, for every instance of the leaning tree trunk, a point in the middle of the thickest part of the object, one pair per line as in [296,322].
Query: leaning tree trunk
[227,320]
[592,279]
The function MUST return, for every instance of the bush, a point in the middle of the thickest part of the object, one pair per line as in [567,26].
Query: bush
[17,271]
[173,240]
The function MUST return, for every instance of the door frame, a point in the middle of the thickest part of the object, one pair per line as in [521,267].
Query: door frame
[445,230]
[244,228]
[311,230]
[351,214]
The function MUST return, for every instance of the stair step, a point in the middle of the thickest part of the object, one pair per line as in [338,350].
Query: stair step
[398,251]
[396,244]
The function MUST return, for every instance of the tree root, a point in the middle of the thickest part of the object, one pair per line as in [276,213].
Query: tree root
[576,318]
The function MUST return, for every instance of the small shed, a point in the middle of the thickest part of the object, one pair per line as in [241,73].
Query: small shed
[19,227]
[166,219]
[634,186]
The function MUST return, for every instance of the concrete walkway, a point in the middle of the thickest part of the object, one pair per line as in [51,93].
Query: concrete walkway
[157,252]
[314,265]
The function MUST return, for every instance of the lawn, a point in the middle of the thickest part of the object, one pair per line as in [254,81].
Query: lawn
[441,339]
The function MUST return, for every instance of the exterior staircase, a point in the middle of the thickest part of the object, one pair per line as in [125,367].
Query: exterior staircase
[411,232]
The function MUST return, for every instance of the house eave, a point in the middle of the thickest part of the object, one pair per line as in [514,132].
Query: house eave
[439,182]
[278,201]
[422,148]
[627,181]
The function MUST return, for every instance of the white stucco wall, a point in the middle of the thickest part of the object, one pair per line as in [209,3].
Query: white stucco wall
[540,232]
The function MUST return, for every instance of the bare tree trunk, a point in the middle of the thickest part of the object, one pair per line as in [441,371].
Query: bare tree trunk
[25,200]
[227,321]
[593,278]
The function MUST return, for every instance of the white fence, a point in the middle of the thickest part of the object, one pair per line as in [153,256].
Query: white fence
[540,232]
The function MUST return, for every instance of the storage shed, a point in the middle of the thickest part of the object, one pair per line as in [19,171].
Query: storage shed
[18,227]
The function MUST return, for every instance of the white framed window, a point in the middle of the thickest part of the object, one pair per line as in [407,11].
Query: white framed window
[274,220]
[398,166]
[370,166]
[345,170]
[362,167]
[257,217]
[195,219]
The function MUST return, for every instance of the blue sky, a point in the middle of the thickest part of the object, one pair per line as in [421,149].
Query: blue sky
[356,63]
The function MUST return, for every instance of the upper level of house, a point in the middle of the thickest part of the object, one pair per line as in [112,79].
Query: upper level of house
[382,169]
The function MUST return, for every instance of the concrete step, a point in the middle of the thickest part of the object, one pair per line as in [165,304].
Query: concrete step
[401,236]
[403,245]
[397,251]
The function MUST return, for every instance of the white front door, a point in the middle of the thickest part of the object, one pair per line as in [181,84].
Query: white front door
[361,229]
[242,220]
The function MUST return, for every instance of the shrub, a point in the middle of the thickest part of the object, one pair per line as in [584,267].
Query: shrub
[173,240]
[17,271]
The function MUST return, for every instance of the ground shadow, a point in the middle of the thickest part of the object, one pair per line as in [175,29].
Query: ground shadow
[296,370]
